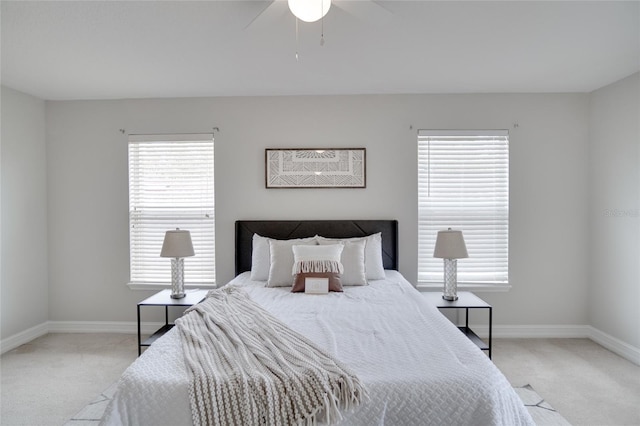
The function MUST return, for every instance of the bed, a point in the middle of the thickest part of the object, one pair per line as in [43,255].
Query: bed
[418,369]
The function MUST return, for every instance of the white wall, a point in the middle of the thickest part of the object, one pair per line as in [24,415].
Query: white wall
[87,183]
[24,289]
[614,207]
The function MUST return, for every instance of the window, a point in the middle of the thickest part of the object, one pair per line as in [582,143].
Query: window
[170,186]
[463,183]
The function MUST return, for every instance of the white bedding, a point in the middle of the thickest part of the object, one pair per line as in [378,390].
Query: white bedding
[416,365]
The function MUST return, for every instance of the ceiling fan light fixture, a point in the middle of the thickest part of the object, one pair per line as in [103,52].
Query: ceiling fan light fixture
[309,10]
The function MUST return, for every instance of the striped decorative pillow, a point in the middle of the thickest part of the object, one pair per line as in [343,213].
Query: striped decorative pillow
[317,262]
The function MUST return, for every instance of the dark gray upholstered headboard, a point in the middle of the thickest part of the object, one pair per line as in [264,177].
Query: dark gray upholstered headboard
[287,229]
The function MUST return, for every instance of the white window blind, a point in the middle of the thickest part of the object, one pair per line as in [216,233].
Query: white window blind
[463,183]
[171,186]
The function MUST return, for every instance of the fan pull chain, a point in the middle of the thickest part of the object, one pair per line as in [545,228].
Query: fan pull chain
[297,43]
[322,25]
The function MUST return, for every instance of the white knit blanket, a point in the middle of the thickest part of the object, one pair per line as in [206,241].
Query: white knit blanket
[248,368]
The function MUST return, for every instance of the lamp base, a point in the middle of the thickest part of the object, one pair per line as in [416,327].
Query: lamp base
[177,278]
[450,280]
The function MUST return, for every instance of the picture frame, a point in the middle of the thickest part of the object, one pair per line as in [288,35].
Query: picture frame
[315,167]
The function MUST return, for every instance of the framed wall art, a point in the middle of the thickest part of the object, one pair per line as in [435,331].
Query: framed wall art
[315,168]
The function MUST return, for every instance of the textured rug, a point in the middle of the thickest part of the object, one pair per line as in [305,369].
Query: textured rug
[543,414]
[540,410]
[93,412]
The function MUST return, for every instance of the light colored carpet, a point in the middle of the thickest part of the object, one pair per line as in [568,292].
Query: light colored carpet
[585,382]
[543,414]
[46,381]
[50,380]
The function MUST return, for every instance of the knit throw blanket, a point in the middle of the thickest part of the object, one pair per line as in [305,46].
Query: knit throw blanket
[248,368]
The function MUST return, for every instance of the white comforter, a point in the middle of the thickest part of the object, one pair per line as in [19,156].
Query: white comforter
[417,367]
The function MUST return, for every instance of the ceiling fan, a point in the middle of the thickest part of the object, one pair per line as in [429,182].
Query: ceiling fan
[304,11]
[314,10]
[309,10]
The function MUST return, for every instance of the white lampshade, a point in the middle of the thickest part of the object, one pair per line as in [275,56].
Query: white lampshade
[177,244]
[450,245]
[309,10]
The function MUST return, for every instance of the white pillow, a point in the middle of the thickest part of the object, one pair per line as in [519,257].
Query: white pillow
[261,257]
[353,262]
[324,258]
[260,260]
[281,254]
[372,253]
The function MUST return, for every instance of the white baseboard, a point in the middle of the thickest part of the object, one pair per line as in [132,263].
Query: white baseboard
[125,327]
[533,331]
[615,345]
[23,337]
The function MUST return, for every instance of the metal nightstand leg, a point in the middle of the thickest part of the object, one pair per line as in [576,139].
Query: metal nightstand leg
[139,339]
[490,330]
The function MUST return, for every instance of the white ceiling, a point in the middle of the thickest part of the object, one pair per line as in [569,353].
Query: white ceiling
[144,49]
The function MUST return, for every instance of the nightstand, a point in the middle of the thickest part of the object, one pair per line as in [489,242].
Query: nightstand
[163,298]
[466,300]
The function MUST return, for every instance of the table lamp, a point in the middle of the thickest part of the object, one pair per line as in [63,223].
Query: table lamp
[177,245]
[450,247]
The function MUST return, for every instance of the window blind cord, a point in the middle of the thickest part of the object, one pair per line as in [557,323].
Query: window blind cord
[428,167]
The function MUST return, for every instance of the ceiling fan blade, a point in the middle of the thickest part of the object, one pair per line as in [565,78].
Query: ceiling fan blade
[373,11]
[269,14]
[382,4]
